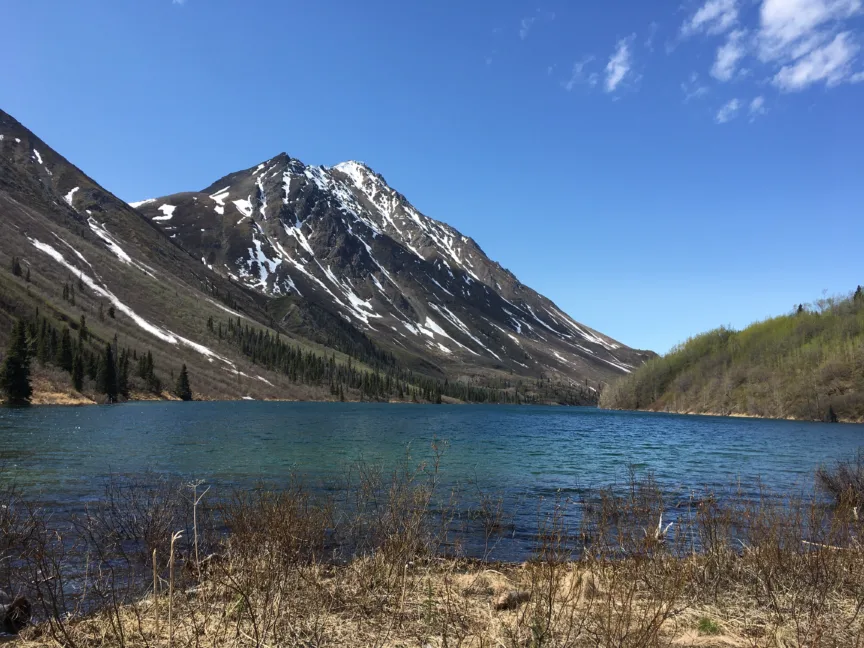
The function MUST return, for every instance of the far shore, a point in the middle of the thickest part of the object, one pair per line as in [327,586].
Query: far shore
[734,415]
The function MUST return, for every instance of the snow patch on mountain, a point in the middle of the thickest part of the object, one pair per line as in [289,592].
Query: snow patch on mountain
[154,330]
[167,213]
[70,196]
[141,203]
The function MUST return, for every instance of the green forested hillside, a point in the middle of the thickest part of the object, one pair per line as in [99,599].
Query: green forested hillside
[805,365]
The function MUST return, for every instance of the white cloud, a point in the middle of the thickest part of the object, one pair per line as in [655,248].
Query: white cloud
[619,65]
[714,17]
[830,63]
[579,76]
[729,55]
[728,112]
[793,28]
[693,88]
[757,107]
[180,2]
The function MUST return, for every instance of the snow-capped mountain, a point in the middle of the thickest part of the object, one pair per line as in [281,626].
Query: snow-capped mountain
[341,238]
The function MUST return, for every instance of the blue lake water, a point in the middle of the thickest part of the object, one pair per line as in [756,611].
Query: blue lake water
[62,453]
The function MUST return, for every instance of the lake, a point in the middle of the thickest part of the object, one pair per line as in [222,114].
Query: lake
[61,455]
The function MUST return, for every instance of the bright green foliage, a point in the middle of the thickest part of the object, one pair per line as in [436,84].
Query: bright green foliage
[15,370]
[708,627]
[183,390]
[807,365]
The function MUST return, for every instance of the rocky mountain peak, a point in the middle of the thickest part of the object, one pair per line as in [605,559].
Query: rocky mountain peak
[342,238]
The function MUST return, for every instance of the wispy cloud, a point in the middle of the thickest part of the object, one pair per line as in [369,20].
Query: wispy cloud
[527,23]
[728,112]
[713,17]
[620,64]
[178,2]
[729,55]
[831,64]
[757,107]
[693,88]
[792,28]
[579,76]
[652,34]
[525,27]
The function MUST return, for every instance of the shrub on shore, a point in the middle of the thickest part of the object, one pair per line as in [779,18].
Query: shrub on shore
[844,482]
[377,560]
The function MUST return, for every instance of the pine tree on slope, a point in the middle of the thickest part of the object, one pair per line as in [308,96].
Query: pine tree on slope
[183,390]
[15,371]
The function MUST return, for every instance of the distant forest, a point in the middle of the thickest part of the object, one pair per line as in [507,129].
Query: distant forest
[808,364]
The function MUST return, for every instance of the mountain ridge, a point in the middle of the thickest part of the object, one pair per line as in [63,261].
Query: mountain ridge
[377,240]
[332,259]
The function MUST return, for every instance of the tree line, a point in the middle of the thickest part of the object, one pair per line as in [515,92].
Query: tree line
[105,367]
[385,380]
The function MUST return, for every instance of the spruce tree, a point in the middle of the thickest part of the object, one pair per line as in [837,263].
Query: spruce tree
[183,391]
[78,371]
[107,376]
[123,374]
[16,267]
[65,356]
[15,370]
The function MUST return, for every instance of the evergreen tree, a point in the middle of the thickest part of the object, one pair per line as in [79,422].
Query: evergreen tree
[123,374]
[92,366]
[107,376]
[27,275]
[65,357]
[15,370]
[78,371]
[183,391]
[859,295]
[16,267]
[43,343]
[82,330]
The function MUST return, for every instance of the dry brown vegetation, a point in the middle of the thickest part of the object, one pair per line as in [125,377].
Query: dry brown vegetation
[376,562]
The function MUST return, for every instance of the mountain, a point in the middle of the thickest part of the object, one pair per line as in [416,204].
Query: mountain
[280,281]
[807,365]
[342,238]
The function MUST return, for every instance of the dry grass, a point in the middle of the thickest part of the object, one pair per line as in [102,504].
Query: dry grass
[376,563]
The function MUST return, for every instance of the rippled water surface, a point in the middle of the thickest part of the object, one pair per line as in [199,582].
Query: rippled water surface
[58,454]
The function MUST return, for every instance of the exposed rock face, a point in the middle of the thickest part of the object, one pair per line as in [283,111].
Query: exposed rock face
[342,238]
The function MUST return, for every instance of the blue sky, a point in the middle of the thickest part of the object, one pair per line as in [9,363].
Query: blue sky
[656,168]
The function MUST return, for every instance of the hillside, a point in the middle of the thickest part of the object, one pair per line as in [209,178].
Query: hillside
[804,365]
[278,282]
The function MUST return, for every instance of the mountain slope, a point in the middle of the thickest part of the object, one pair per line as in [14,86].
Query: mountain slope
[341,238]
[804,366]
[70,235]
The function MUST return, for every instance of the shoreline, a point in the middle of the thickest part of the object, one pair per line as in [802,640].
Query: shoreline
[734,415]
[66,399]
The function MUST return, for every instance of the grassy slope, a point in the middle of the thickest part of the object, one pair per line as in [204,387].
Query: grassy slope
[792,366]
